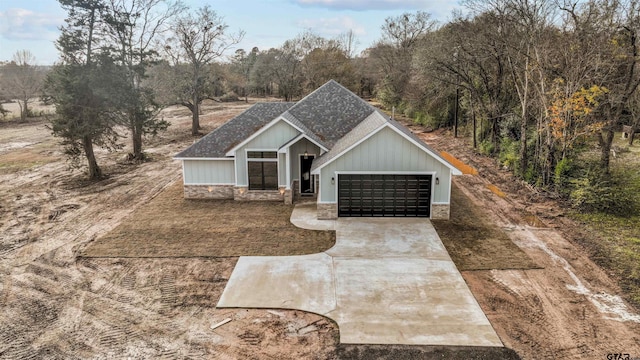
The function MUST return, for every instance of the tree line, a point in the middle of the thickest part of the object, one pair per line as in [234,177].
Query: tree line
[533,82]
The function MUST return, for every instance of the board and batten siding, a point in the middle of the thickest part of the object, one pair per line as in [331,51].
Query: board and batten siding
[269,140]
[298,149]
[386,151]
[209,172]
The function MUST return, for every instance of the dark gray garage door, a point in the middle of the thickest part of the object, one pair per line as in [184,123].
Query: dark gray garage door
[384,195]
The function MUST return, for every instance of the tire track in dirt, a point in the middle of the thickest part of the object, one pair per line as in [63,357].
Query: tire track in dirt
[566,309]
[54,305]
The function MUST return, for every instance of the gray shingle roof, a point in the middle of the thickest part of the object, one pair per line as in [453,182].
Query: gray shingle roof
[218,142]
[332,116]
[292,119]
[331,112]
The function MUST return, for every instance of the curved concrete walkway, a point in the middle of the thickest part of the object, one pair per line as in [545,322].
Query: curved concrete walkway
[386,281]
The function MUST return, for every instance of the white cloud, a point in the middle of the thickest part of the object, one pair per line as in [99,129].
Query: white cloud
[23,24]
[333,26]
[362,5]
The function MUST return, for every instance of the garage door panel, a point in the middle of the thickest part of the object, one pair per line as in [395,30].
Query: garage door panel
[384,195]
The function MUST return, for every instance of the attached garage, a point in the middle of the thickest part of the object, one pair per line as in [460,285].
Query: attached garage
[387,172]
[388,195]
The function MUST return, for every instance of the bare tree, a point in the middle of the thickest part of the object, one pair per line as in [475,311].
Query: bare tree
[22,80]
[634,112]
[348,43]
[198,40]
[609,30]
[394,53]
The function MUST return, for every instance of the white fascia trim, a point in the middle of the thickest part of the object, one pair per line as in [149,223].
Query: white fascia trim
[317,171]
[297,138]
[247,151]
[196,159]
[441,203]
[327,202]
[287,167]
[385,172]
[260,131]
[283,149]
[454,170]
[211,184]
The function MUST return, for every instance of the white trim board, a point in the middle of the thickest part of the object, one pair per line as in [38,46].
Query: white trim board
[260,131]
[291,142]
[210,184]
[205,158]
[437,157]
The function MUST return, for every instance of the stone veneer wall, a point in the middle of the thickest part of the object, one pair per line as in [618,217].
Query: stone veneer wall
[295,190]
[295,187]
[440,211]
[288,197]
[208,191]
[327,211]
[241,193]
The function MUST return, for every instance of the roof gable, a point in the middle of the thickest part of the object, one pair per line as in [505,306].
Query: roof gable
[331,111]
[366,128]
[218,142]
[372,125]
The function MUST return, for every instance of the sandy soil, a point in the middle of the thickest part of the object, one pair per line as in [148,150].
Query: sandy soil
[568,309]
[171,226]
[54,305]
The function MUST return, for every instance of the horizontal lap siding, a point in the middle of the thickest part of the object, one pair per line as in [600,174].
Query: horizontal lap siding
[208,172]
[386,151]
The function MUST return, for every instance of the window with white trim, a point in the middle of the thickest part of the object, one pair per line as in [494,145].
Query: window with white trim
[262,169]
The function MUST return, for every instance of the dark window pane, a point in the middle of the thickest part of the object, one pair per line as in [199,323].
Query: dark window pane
[262,155]
[263,175]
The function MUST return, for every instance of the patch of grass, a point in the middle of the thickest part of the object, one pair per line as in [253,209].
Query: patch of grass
[616,247]
[474,242]
[171,226]
[613,241]
[17,160]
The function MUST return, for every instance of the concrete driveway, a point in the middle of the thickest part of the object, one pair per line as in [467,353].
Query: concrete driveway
[386,281]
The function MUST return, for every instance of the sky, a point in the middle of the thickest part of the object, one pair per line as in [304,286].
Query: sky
[33,24]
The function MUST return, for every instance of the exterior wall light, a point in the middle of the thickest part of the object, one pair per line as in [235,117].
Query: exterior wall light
[437,181]
[242,190]
[210,188]
[281,191]
[333,181]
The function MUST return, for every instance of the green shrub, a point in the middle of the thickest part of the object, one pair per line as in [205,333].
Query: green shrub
[230,96]
[509,156]
[387,97]
[615,194]
[486,147]
[562,174]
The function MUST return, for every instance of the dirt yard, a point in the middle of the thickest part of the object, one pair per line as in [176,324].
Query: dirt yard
[568,308]
[171,226]
[552,303]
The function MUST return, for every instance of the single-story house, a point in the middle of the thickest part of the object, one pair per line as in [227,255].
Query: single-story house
[331,146]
